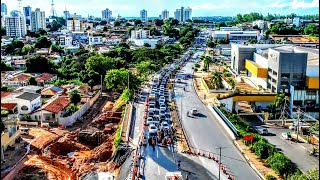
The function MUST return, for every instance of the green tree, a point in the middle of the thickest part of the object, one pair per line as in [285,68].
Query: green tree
[42,32]
[280,100]
[39,64]
[42,42]
[137,22]
[223,41]
[17,44]
[211,43]
[117,23]
[253,41]
[27,49]
[281,164]
[263,149]
[207,62]
[99,64]
[145,68]
[312,30]
[158,22]
[146,45]
[3,31]
[5,67]
[32,81]
[117,79]
[75,97]
[9,49]
[216,80]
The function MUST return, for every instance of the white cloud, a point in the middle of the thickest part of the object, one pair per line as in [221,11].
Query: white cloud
[295,4]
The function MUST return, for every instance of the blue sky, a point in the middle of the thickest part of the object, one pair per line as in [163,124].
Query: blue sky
[131,8]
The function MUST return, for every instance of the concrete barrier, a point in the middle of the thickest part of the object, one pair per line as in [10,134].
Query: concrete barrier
[220,120]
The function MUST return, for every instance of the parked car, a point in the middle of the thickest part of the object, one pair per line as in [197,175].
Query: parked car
[192,112]
[150,113]
[162,112]
[286,135]
[261,130]
[163,107]
[152,107]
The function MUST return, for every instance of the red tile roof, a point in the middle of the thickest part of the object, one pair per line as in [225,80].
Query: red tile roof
[21,77]
[58,105]
[5,93]
[8,106]
[44,77]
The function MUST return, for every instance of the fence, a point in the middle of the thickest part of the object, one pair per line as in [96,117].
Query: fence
[226,120]
[70,120]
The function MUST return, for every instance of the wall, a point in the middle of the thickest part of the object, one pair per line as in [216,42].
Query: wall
[70,120]
[262,61]
[228,103]
[6,140]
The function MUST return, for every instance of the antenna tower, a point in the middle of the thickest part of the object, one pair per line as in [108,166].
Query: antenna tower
[19,6]
[53,11]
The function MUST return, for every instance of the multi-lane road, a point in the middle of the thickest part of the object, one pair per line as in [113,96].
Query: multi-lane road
[206,133]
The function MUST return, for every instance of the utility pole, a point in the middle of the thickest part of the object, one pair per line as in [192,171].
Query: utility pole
[220,159]
[298,124]
[101,85]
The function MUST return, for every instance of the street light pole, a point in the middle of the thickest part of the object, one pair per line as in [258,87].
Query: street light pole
[219,159]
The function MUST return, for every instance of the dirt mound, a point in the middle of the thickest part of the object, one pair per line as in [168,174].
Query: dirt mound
[31,172]
[43,137]
[108,106]
[103,152]
[54,169]
[63,147]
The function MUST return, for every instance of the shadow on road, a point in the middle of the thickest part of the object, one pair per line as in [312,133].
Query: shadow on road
[201,115]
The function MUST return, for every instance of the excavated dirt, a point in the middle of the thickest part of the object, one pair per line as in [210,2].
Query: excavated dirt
[63,157]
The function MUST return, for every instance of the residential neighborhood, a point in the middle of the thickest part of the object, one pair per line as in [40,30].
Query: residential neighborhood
[190,91]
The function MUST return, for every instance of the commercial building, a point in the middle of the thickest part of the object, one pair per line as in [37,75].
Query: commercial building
[38,20]
[66,14]
[177,14]
[296,21]
[234,28]
[65,40]
[27,13]
[106,14]
[4,10]
[165,14]
[239,53]
[187,14]
[74,25]
[16,26]
[95,40]
[236,36]
[143,15]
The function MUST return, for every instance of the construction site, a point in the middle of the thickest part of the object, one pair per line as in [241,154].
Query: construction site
[72,152]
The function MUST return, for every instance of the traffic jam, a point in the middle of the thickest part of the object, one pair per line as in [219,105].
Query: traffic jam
[157,112]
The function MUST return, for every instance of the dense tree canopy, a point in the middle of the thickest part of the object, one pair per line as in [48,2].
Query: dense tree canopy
[43,42]
[39,64]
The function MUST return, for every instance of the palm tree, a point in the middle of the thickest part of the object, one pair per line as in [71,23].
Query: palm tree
[280,100]
[216,80]
[207,62]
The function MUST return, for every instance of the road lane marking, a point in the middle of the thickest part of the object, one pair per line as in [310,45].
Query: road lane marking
[158,169]
[157,152]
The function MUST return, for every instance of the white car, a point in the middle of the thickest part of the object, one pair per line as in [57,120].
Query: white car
[164,126]
[162,112]
[151,120]
[152,107]
[261,130]
[163,107]
[153,129]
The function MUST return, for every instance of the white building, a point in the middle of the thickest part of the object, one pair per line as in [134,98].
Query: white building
[143,15]
[296,21]
[65,41]
[38,20]
[140,34]
[95,40]
[16,26]
[187,14]
[152,42]
[74,25]
[236,36]
[26,101]
[177,14]
[234,28]
[106,14]
[260,23]
[165,14]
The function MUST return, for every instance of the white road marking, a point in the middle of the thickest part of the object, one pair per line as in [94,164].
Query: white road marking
[159,170]
[157,152]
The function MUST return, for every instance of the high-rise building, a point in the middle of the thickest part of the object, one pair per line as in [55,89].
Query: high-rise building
[187,14]
[74,25]
[182,15]
[16,26]
[27,14]
[106,14]
[177,14]
[165,14]
[143,15]
[66,14]
[4,10]
[38,20]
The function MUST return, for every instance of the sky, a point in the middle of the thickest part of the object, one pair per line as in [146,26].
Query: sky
[132,8]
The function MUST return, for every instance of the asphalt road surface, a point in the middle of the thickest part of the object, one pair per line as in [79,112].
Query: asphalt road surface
[206,133]
[296,152]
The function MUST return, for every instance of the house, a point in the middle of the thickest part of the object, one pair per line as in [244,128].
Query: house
[84,89]
[30,89]
[53,110]
[19,64]
[27,102]
[11,132]
[45,78]
[51,91]
[18,80]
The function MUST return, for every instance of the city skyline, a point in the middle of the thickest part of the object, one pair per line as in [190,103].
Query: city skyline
[128,8]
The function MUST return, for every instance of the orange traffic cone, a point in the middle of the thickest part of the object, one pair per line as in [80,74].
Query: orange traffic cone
[229,176]
[209,156]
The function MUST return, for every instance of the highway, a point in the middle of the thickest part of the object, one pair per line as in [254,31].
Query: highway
[206,133]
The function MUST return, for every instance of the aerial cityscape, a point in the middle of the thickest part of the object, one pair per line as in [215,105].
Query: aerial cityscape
[159,90]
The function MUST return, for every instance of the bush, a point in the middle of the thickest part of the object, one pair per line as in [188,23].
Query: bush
[281,164]
[196,69]
[196,65]
[270,177]
[117,139]
[263,149]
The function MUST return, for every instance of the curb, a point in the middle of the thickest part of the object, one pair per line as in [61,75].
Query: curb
[248,160]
